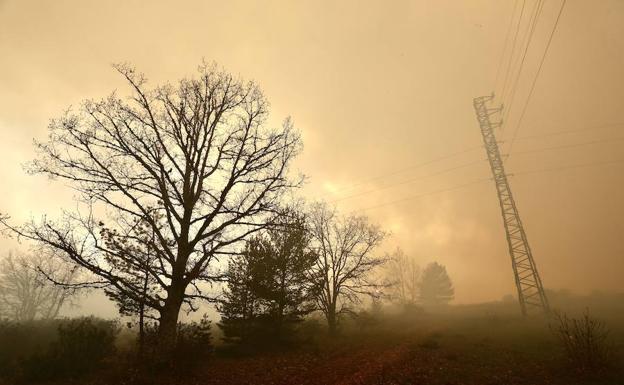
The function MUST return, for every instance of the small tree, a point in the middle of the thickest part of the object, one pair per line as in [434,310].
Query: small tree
[241,306]
[272,279]
[285,283]
[435,285]
[345,247]
[26,289]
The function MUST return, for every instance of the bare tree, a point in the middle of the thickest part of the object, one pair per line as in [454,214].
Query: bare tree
[404,273]
[345,263]
[26,293]
[198,154]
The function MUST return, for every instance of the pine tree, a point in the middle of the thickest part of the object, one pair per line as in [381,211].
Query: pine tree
[285,286]
[242,307]
[269,288]
[435,285]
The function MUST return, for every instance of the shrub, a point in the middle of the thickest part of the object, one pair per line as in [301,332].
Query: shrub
[431,341]
[366,320]
[193,346]
[584,340]
[81,347]
[194,343]
[20,340]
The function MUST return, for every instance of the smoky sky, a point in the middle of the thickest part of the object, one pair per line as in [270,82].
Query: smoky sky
[382,94]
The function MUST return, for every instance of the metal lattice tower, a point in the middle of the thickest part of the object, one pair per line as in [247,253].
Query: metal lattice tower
[530,290]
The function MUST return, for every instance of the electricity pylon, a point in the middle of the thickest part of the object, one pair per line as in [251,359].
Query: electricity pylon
[530,290]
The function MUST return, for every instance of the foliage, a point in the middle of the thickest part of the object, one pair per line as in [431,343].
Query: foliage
[21,340]
[191,349]
[195,338]
[285,281]
[269,287]
[241,306]
[81,347]
[435,286]
[135,252]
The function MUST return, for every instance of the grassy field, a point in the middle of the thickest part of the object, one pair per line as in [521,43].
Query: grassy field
[441,350]
[477,344]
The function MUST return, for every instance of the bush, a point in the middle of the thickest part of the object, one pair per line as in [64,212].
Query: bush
[366,320]
[584,340]
[193,346]
[194,343]
[81,347]
[20,340]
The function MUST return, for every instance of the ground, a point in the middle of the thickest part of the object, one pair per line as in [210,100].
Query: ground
[480,352]
[477,345]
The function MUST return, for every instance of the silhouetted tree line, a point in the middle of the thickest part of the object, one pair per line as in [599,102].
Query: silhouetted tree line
[174,179]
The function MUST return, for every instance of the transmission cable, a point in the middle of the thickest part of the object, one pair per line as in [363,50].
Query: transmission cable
[539,69]
[569,167]
[410,180]
[568,132]
[400,171]
[530,31]
[513,47]
[502,59]
[482,180]
[458,187]
[353,188]
[597,141]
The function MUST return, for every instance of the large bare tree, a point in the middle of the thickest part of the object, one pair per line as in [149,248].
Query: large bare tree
[194,163]
[27,293]
[346,263]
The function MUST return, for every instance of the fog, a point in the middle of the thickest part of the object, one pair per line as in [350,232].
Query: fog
[382,95]
[374,89]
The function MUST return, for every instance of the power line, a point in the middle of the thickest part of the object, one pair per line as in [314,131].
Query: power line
[564,146]
[566,132]
[426,194]
[530,31]
[500,63]
[513,47]
[400,171]
[515,60]
[478,161]
[477,181]
[539,70]
[572,166]
[353,187]
[409,181]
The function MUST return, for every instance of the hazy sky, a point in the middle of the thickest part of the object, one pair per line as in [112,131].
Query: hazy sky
[375,87]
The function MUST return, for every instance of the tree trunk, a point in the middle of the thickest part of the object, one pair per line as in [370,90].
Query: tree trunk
[167,328]
[142,317]
[331,320]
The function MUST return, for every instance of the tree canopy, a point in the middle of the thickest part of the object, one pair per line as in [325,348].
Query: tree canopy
[194,164]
